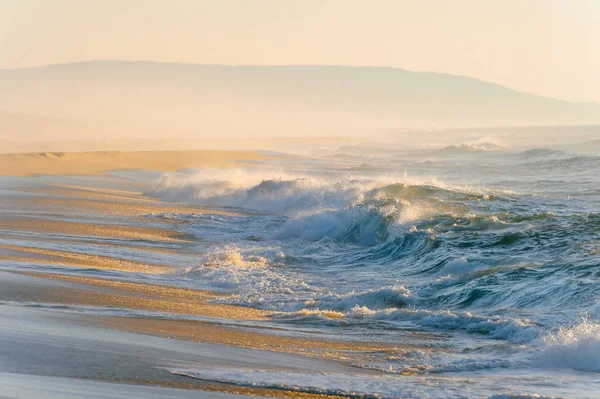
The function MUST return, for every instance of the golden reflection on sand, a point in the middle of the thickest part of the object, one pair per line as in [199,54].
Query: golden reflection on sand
[161,298]
[138,246]
[183,382]
[47,226]
[128,295]
[106,207]
[191,330]
[75,259]
[95,163]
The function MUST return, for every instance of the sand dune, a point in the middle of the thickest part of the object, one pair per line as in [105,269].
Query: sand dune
[93,163]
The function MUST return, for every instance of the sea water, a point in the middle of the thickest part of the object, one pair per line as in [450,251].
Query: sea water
[481,265]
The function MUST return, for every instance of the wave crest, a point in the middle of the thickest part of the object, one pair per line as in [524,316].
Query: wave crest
[392,297]
[576,347]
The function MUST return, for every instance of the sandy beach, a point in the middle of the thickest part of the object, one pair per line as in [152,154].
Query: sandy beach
[61,275]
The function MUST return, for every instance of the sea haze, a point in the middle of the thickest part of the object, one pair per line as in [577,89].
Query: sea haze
[100,99]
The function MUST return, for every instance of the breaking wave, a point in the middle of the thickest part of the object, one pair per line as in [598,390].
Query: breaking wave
[493,272]
[576,346]
[519,331]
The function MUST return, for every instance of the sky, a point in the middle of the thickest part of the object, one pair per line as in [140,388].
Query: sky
[545,47]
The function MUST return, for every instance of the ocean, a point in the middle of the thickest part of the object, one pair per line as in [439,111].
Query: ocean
[480,264]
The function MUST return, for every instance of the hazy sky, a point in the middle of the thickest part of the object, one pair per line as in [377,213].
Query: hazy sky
[547,47]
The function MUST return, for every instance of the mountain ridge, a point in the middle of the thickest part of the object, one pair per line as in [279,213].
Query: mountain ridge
[151,98]
[380,67]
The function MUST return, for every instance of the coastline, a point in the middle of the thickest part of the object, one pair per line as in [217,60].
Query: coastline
[75,305]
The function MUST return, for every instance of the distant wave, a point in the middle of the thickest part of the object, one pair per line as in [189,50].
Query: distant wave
[540,153]
[566,162]
[470,149]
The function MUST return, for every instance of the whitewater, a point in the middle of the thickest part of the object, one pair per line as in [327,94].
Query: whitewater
[478,263]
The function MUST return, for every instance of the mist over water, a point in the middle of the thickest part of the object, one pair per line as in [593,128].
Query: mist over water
[473,258]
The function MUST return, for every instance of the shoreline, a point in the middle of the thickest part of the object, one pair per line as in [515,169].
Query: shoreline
[96,163]
[85,269]
[56,270]
[55,295]
[103,292]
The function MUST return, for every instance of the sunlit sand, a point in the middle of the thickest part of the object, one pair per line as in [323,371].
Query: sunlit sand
[92,163]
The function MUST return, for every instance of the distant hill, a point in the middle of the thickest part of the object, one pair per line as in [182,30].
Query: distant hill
[150,98]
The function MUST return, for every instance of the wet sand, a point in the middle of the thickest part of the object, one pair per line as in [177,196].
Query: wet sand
[43,298]
[85,291]
[28,224]
[127,295]
[73,259]
[38,343]
[98,202]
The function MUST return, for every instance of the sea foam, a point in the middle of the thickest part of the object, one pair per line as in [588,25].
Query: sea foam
[576,346]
